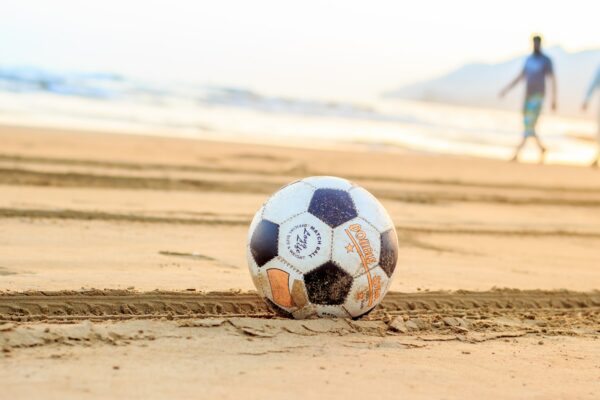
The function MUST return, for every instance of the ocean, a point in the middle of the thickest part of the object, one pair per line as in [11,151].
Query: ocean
[119,104]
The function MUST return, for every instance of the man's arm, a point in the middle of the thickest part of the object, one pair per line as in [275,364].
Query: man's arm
[595,85]
[512,83]
[553,83]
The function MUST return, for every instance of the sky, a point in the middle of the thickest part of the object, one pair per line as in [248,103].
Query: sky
[326,49]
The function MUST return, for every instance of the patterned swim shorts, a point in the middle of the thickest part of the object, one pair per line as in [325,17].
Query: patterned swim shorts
[531,112]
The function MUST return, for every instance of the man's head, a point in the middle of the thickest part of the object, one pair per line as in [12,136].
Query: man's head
[537,44]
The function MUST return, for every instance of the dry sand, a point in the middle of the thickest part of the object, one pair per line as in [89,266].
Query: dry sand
[135,214]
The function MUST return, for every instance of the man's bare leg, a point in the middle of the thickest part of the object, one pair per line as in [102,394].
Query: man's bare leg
[542,149]
[518,149]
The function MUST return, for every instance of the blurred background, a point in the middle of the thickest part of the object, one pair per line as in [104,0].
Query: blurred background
[382,74]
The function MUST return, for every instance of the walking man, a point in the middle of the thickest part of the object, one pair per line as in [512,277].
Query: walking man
[537,68]
[593,87]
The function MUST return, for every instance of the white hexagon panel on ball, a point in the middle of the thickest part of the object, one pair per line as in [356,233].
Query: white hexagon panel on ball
[367,291]
[305,242]
[370,209]
[289,201]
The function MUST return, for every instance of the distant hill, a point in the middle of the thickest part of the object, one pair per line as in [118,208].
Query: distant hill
[478,84]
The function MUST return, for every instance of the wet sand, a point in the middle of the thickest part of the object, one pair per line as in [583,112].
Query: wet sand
[136,214]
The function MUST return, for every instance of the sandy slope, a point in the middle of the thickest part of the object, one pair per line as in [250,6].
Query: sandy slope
[115,211]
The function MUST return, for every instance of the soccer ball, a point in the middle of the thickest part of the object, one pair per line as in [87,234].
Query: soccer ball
[322,246]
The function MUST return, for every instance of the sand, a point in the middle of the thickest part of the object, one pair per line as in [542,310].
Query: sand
[122,273]
[169,361]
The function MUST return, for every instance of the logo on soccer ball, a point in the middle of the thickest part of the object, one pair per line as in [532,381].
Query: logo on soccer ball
[303,241]
[360,243]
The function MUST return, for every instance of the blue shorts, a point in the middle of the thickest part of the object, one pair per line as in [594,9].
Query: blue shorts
[531,112]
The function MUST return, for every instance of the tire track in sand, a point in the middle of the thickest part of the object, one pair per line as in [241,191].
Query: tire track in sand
[406,231]
[13,158]
[30,177]
[118,304]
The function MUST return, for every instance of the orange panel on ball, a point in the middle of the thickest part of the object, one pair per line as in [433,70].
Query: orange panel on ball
[279,281]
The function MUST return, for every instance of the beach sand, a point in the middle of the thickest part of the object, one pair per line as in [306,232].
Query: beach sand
[92,224]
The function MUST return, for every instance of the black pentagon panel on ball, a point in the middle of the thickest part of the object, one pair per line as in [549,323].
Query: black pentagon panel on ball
[332,206]
[328,284]
[263,244]
[388,256]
